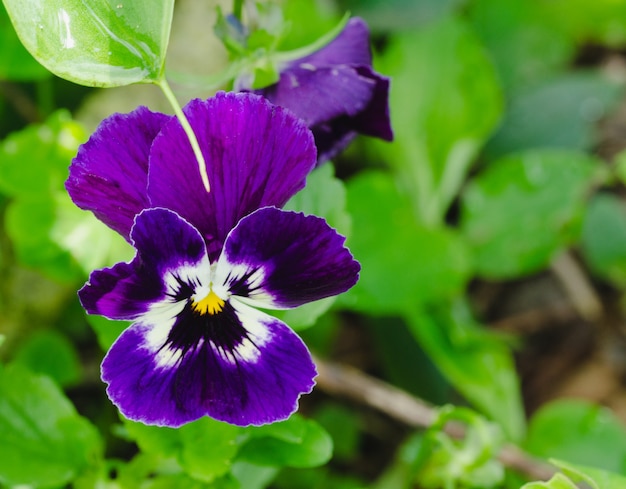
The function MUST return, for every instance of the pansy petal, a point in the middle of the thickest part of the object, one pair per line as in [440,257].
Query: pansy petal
[351,46]
[256,155]
[283,259]
[171,256]
[240,366]
[301,89]
[334,135]
[109,175]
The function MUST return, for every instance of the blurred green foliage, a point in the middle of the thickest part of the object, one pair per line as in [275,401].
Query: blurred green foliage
[499,165]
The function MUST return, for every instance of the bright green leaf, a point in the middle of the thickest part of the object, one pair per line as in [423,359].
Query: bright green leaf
[297,442]
[523,209]
[34,161]
[106,43]
[403,263]
[596,478]
[50,353]
[477,363]
[604,237]
[444,103]
[204,448]
[154,440]
[208,448]
[43,441]
[578,432]
[48,231]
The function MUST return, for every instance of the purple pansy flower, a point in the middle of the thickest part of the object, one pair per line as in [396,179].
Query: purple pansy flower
[335,91]
[204,261]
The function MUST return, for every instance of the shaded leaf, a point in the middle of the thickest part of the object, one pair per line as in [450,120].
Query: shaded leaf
[403,262]
[297,442]
[43,441]
[579,432]
[523,209]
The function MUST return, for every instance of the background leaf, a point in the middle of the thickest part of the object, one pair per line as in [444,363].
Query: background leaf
[41,443]
[579,432]
[547,216]
[444,103]
[403,262]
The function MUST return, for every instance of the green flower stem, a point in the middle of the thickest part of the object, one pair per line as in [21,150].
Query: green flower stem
[193,140]
[237,8]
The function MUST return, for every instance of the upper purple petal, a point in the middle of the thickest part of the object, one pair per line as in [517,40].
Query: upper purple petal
[318,94]
[335,91]
[240,366]
[256,155]
[169,254]
[109,175]
[284,259]
[351,46]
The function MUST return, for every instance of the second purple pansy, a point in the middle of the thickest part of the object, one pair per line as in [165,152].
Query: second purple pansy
[335,91]
[204,261]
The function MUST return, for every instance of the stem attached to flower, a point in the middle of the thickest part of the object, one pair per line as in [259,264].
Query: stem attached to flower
[193,140]
[237,8]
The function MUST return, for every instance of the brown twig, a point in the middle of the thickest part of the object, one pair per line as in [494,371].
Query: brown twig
[345,381]
[22,104]
[577,286]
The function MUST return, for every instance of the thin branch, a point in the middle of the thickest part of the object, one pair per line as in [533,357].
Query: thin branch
[22,104]
[348,382]
[577,286]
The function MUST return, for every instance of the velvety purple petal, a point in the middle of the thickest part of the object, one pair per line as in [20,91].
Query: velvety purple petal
[350,47]
[109,175]
[318,94]
[240,366]
[171,260]
[284,259]
[256,155]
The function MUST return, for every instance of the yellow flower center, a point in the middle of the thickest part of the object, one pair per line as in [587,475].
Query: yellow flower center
[211,304]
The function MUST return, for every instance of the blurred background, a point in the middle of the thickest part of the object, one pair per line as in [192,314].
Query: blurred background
[491,232]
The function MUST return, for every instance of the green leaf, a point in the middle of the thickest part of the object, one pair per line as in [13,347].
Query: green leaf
[34,161]
[297,442]
[523,209]
[403,262]
[154,440]
[596,478]
[204,448]
[561,112]
[16,63]
[514,32]
[43,441]
[558,481]
[48,231]
[468,462]
[49,352]
[106,43]
[599,22]
[400,14]
[578,432]
[444,104]
[478,364]
[208,448]
[603,242]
